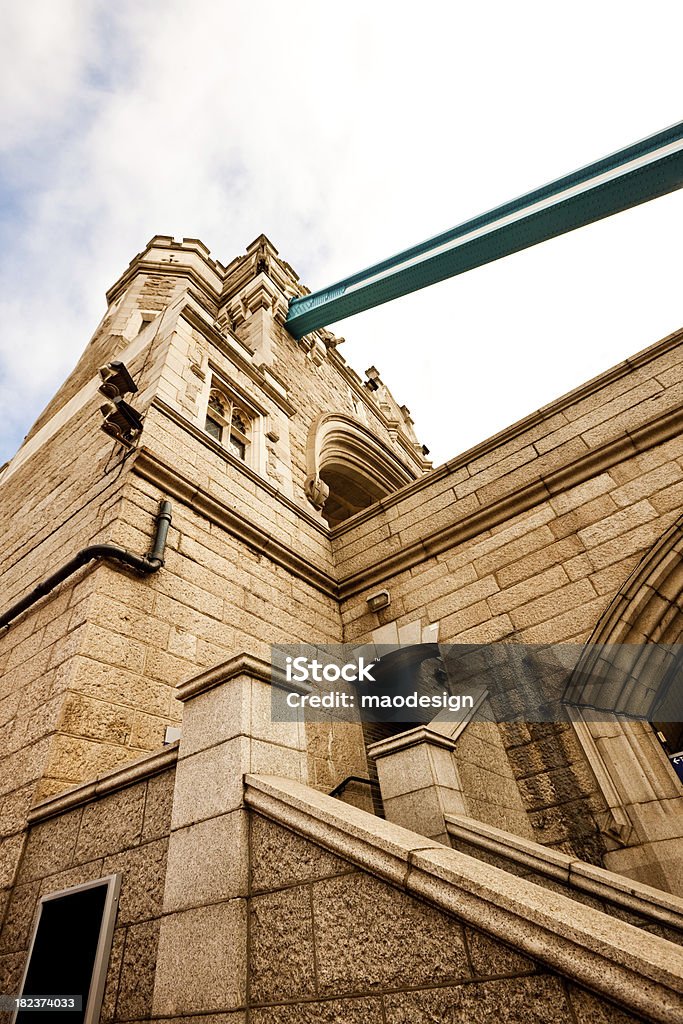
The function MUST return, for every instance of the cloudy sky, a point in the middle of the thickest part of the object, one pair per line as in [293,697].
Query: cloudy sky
[345,132]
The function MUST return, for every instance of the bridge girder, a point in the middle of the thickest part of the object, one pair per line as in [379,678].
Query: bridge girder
[645,170]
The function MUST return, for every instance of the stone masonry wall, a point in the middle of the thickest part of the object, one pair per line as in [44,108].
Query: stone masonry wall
[527,539]
[214,597]
[120,644]
[127,832]
[89,672]
[152,294]
[45,518]
[63,496]
[328,942]
[523,548]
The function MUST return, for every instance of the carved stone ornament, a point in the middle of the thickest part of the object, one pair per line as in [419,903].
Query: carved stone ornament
[262,257]
[317,491]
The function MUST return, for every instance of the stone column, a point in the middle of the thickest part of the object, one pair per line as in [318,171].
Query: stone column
[227,733]
[419,780]
[458,768]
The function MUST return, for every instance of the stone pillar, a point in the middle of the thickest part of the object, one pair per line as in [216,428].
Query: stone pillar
[445,768]
[419,781]
[227,733]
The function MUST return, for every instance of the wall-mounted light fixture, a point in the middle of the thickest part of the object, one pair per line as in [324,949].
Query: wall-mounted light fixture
[116,380]
[121,420]
[382,599]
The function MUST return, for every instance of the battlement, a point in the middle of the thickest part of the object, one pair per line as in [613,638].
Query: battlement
[170,255]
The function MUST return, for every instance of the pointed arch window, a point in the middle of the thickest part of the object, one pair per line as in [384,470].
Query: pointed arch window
[229,424]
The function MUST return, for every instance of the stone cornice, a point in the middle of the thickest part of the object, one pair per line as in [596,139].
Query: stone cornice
[657,431]
[230,348]
[149,466]
[410,738]
[231,345]
[518,429]
[191,247]
[209,296]
[243,664]
[256,478]
[197,301]
[103,785]
[639,971]
[657,904]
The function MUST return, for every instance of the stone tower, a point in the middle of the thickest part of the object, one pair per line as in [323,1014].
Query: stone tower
[304,510]
[250,434]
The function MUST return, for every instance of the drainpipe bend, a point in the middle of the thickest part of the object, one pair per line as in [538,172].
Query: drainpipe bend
[145,564]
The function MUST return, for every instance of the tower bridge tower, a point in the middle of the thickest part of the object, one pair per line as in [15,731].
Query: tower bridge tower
[135,653]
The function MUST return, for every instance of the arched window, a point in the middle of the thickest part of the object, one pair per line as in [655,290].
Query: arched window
[215,416]
[239,433]
[228,424]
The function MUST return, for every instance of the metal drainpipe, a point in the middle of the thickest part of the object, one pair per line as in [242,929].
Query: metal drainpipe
[146,564]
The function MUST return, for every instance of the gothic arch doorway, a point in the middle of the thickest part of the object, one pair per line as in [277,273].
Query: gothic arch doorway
[648,610]
[629,758]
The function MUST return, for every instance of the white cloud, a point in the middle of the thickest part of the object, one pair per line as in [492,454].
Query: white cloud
[345,133]
[43,54]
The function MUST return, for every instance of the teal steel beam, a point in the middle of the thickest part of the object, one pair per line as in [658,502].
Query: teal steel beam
[647,169]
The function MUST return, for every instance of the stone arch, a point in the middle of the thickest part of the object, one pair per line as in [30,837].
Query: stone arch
[348,467]
[648,612]
[642,791]
[649,606]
